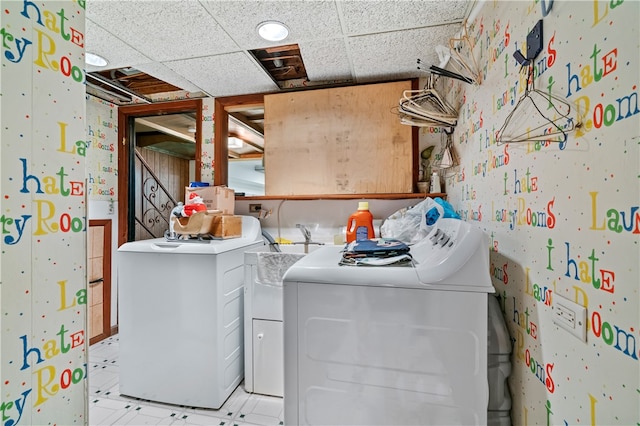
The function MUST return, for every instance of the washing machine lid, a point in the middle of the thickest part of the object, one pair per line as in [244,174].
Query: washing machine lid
[251,235]
[453,257]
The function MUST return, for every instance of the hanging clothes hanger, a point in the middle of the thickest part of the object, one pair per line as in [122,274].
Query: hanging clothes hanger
[464,68]
[448,157]
[464,65]
[433,69]
[537,116]
[426,108]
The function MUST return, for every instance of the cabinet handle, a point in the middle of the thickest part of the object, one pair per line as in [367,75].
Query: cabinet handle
[260,336]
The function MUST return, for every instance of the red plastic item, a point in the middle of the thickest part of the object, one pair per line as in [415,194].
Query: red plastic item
[360,225]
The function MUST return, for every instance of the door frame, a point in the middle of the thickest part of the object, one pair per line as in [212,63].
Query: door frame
[125,151]
[106,279]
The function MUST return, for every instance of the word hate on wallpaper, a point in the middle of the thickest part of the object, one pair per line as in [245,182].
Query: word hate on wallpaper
[49,380]
[49,24]
[57,185]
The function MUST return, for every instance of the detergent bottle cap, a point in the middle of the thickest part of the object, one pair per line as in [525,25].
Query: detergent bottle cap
[363,205]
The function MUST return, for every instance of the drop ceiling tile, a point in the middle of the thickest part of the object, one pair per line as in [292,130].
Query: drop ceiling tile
[114,50]
[393,55]
[164,30]
[164,73]
[225,75]
[306,20]
[366,17]
[326,60]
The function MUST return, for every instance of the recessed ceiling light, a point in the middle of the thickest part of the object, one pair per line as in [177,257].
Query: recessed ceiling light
[273,31]
[95,60]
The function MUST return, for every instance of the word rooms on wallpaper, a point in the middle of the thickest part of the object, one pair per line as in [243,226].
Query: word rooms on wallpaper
[563,217]
[44,214]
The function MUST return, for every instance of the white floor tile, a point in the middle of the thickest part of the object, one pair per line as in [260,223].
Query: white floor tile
[102,378]
[105,411]
[108,408]
[148,415]
[199,420]
[262,410]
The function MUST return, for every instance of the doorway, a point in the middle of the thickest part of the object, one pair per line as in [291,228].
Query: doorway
[127,116]
[226,107]
[99,273]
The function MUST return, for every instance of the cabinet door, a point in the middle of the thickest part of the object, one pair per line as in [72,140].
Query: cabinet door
[268,362]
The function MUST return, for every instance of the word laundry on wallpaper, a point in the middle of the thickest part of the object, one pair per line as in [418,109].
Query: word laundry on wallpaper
[616,220]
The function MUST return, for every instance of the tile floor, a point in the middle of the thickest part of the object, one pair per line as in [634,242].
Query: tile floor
[108,407]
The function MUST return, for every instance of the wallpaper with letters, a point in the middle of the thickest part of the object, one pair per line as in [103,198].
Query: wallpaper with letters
[43,293]
[102,150]
[560,203]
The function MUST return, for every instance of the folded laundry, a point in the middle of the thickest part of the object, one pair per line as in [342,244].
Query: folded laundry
[383,251]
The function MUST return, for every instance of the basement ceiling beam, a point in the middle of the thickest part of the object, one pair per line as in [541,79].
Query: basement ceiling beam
[165,130]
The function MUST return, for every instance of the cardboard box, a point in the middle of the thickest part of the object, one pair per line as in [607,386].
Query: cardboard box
[214,197]
[227,226]
[198,224]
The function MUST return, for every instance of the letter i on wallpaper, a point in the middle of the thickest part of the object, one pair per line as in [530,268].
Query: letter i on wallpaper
[549,248]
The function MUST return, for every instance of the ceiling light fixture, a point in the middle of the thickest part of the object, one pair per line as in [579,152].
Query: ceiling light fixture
[191,129]
[273,30]
[95,60]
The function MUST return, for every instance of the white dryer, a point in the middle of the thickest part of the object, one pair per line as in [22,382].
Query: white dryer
[181,318]
[370,345]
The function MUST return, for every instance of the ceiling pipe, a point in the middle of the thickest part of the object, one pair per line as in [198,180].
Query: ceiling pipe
[122,89]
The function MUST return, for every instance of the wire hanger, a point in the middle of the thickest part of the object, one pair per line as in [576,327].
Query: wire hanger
[524,125]
[444,72]
[462,64]
[464,69]
[523,116]
[448,156]
[426,108]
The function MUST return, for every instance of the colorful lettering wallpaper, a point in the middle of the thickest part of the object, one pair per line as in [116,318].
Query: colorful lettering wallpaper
[207,163]
[563,214]
[102,149]
[43,293]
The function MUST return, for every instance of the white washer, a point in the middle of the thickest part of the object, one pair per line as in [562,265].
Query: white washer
[390,345]
[181,318]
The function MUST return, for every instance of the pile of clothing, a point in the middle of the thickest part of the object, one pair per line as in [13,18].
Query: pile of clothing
[380,252]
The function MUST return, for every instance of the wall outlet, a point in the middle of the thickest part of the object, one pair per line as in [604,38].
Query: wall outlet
[570,316]
[255,208]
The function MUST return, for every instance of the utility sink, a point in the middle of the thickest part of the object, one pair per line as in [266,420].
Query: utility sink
[263,331]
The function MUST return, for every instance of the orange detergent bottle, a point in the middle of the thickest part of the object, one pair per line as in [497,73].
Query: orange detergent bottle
[360,225]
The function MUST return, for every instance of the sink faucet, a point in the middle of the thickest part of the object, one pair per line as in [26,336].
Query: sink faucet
[307,237]
[305,232]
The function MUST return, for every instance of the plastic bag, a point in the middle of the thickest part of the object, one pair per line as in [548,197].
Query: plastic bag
[412,224]
[408,224]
